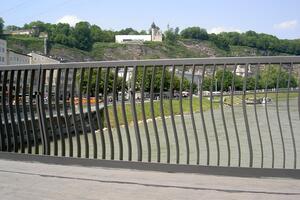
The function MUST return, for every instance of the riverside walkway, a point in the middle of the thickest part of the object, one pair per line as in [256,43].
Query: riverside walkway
[32,180]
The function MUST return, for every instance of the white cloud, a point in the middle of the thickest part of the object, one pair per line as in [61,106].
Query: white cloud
[286,24]
[221,29]
[69,19]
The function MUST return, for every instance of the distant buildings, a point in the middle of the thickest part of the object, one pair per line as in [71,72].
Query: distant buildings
[156,36]
[3,47]
[35,32]
[11,57]
[132,38]
[15,58]
[41,59]
[241,71]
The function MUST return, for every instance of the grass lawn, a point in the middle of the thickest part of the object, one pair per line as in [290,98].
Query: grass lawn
[185,105]
[156,106]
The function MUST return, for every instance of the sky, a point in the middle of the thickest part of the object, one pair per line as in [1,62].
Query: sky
[277,17]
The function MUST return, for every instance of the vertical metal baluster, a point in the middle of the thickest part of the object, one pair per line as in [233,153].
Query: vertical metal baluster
[4,109]
[82,122]
[223,117]
[18,112]
[58,117]
[144,113]
[267,117]
[111,139]
[162,113]
[50,112]
[99,117]
[32,114]
[89,109]
[2,133]
[25,110]
[42,112]
[124,114]
[38,111]
[212,115]
[278,116]
[66,115]
[11,111]
[115,112]
[202,116]
[299,92]
[172,116]
[192,116]
[256,117]
[74,114]
[153,114]
[182,118]
[289,116]
[246,116]
[135,121]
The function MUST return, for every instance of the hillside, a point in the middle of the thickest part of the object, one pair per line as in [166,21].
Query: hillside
[148,50]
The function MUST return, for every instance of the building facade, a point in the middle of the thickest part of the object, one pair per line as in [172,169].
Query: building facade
[132,38]
[40,59]
[15,58]
[155,36]
[3,49]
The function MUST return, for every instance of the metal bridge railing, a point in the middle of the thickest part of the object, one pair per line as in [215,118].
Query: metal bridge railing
[236,112]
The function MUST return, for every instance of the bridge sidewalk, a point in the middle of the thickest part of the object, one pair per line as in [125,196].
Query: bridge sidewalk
[25,180]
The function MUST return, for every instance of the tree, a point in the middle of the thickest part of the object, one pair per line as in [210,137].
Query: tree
[41,26]
[143,32]
[96,34]
[227,80]
[157,81]
[108,36]
[12,28]
[269,76]
[1,25]
[196,33]
[170,36]
[128,31]
[82,34]
[101,82]
[62,33]
[219,41]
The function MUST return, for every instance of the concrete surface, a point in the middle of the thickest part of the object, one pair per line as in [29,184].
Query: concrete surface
[24,180]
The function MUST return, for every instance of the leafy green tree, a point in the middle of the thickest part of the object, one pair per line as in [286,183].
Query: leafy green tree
[219,41]
[128,31]
[269,76]
[96,33]
[143,32]
[12,28]
[176,31]
[101,82]
[170,36]
[227,80]
[82,34]
[196,33]
[41,26]
[1,25]
[108,36]
[157,80]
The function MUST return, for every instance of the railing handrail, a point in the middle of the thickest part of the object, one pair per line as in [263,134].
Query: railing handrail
[162,62]
[50,104]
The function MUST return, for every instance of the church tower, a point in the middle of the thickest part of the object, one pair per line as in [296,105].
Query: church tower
[156,34]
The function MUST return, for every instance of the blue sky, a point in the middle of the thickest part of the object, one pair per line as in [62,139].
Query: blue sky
[277,17]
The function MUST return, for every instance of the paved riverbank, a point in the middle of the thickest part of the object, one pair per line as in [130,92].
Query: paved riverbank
[22,180]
